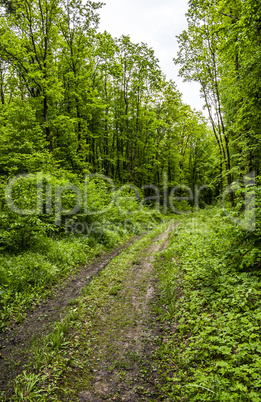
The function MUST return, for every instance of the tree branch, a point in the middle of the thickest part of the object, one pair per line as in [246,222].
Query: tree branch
[230,16]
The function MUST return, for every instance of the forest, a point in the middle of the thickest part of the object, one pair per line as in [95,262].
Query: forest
[96,147]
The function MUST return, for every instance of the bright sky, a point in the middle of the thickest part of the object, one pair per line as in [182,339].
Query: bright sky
[155,22]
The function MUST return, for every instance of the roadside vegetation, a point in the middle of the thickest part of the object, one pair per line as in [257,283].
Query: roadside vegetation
[210,309]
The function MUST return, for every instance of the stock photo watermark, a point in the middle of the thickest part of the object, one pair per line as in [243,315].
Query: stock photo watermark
[49,199]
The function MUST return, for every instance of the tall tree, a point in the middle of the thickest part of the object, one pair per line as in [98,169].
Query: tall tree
[199,60]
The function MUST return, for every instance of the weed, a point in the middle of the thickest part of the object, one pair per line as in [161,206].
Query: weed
[27,387]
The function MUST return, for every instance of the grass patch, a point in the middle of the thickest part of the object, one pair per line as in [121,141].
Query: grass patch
[26,277]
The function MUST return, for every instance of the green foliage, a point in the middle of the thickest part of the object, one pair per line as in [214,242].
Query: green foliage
[100,104]
[22,143]
[212,312]
[36,252]
[24,277]
[221,50]
[27,387]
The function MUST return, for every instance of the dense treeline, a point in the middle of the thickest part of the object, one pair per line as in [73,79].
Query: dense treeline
[88,102]
[75,101]
[221,50]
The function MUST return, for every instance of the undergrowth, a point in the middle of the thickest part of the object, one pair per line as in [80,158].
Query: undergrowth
[210,309]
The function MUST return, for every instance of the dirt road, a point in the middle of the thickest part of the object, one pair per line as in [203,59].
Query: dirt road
[107,352]
[41,321]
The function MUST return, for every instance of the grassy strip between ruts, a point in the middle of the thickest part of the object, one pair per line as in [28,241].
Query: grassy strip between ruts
[71,345]
[210,309]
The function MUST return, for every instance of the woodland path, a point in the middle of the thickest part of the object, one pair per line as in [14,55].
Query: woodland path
[120,337]
[41,320]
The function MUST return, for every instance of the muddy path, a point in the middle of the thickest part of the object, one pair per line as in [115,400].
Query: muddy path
[120,367]
[41,320]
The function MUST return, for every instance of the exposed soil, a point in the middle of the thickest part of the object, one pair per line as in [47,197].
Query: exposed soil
[121,365]
[41,320]
[121,344]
